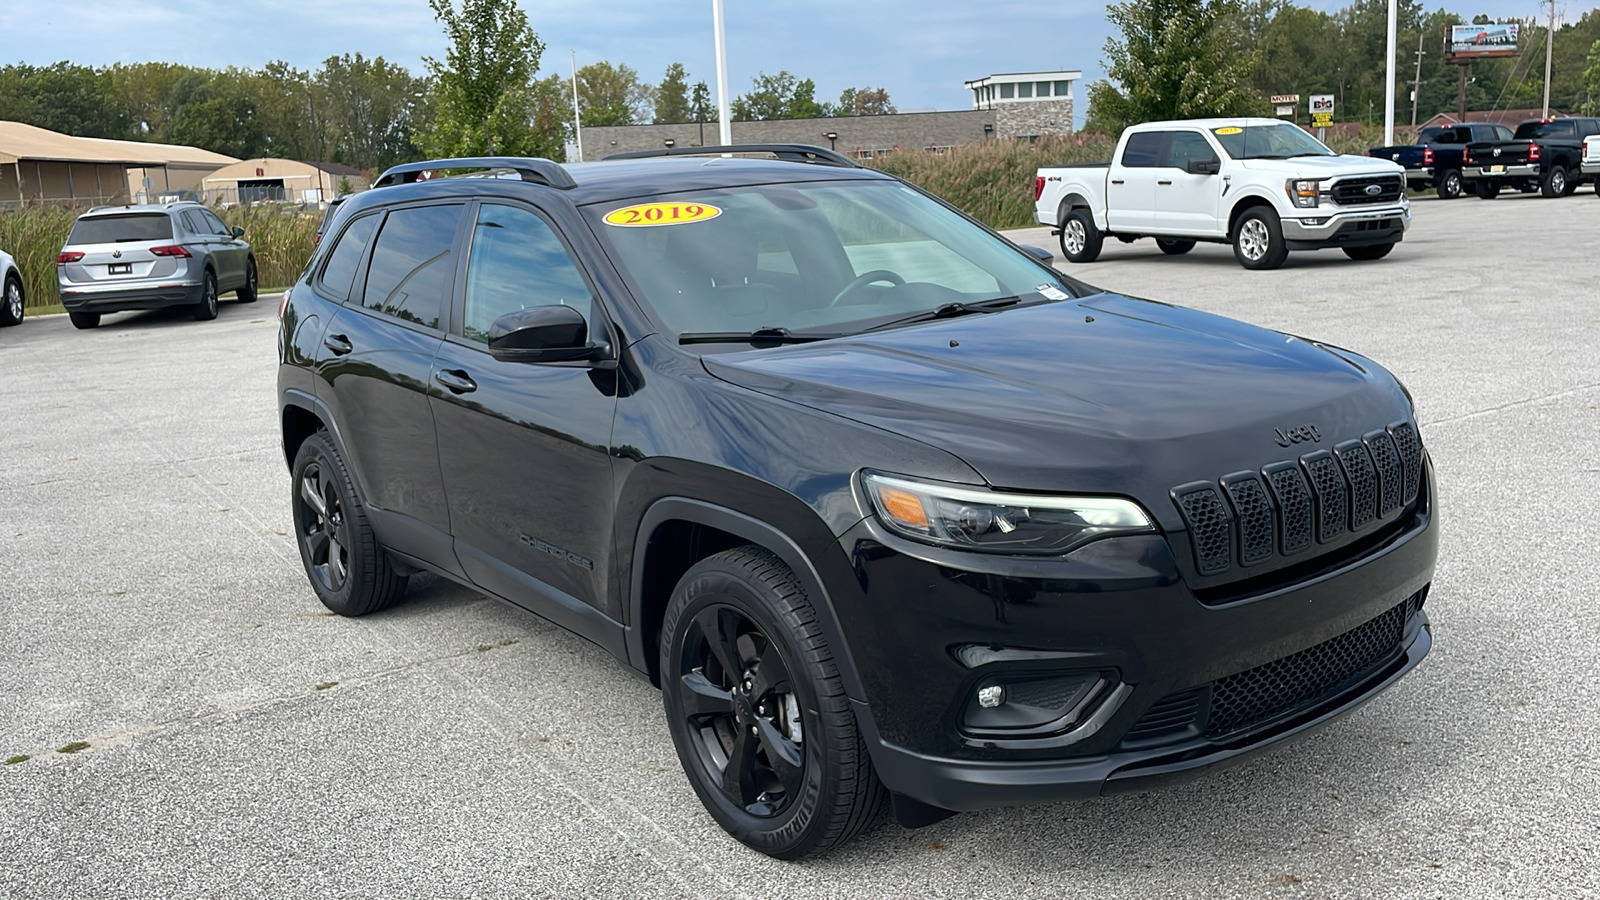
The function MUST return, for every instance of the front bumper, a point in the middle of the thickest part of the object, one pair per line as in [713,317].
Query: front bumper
[1347,229]
[118,297]
[926,635]
[1525,171]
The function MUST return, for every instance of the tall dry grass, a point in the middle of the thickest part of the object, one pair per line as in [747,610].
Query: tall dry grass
[993,181]
[280,236]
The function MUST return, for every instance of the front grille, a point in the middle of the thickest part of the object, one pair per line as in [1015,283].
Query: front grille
[1256,696]
[1353,191]
[1246,519]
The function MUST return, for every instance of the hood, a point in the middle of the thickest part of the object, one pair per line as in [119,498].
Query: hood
[1323,166]
[1105,394]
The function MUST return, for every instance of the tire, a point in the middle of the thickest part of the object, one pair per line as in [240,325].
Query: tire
[248,292]
[1554,182]
[1487,189]
[206,309]
[1371,251]
[13,303]
[84,319]
[347,567]
[1081,239]
[1258,239]
[1450,184]
[745,606]
[1174,246]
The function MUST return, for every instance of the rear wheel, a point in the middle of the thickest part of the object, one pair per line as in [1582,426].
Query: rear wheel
[247,293]
[11,301]
[84,319]
[1449,186]
[1488,189]
[1554,183]
[1258,239]
[346,565]
[757,711]
[1081,239]
[206,309]
[1371,251]
[1174,246]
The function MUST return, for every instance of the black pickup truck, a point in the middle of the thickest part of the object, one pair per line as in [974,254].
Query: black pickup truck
[1544,153]
[1434,161]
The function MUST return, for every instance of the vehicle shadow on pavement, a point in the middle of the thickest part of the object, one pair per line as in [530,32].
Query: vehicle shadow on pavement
[179,316]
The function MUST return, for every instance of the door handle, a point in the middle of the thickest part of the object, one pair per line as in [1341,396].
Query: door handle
[338,343]
[1163,182]
[1117,181]
[457,381]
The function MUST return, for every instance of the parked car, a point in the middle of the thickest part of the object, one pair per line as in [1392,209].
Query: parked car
[1434,161]
[1263,185]
[1544,155]
[12,299]
[887,507]
[149,257]
[1591,159]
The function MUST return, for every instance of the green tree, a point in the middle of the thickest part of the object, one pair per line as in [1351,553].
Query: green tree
[68,98]
[847,103]
[780,96]
[700,102]
[868,101]
[218,111]
[672,97]
[483,90]
[1177,59]
[374,110]
[1591,80]
[612,95]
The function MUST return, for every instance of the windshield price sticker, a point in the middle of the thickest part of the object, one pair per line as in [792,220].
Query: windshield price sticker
[1229,130]
[1051,292]
[649,215]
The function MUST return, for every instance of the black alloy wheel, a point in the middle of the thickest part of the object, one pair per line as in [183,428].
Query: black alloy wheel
[757,711]
[347,567]
[11,302]
[206,309]
[247,294]
[1174,246]
[324,533]
[1449,184]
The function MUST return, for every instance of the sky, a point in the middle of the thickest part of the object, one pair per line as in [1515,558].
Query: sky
[920,51]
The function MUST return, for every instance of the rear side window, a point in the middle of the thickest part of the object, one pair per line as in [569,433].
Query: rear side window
[412,264]
[193,222]
[214,224]
[517,263]
[1557,129]
[1145,150]
[1433,134]
[340,272]
[122,229]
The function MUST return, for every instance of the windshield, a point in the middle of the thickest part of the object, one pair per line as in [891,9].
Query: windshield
[1558,128]
[119,229]
[1279,141]
[817,258]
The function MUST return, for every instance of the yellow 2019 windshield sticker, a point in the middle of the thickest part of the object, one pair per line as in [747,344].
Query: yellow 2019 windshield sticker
[646,215]
[1229,130]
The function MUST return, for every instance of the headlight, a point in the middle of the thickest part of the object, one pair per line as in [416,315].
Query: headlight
[994,522]
[1303,193]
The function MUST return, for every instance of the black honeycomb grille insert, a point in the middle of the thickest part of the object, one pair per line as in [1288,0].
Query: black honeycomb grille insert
[1332,501]
[1289,488]
[1391,474]
[1410,447]
[1210,527]
[1270,691]
[1363,477]
[1257,521]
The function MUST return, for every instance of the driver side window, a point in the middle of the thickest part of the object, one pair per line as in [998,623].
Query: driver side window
[517,263]
[1188,146]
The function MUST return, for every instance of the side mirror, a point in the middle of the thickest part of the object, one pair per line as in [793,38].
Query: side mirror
[238,231]
[1039,253]
[542,334]
[1203,166]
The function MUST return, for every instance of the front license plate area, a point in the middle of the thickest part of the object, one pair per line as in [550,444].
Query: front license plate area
[119,269]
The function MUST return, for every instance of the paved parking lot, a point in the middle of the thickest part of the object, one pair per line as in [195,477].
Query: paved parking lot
[241,742]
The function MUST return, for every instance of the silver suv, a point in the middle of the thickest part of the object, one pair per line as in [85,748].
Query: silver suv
[150,257]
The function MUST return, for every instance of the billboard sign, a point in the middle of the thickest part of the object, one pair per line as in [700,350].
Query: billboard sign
[1321,110]
[1480,41]
[1290,99]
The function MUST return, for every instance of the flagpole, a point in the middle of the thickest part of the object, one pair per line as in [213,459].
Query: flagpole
[722,73]
[577,119]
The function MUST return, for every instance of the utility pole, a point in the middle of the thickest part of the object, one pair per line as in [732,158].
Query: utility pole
[1416,86]
[1549,45]
[577,118]
[1388,82]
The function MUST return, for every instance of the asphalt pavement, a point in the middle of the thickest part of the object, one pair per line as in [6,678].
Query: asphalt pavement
[241,742]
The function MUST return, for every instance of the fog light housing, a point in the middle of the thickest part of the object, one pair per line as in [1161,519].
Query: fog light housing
[1034,703]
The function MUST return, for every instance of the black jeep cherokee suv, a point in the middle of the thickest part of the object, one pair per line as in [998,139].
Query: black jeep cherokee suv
[887,507]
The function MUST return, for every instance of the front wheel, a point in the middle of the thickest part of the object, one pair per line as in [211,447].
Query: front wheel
[757,711]
[346,565]
[1174,246]
[1449,186]
[247,293]
[1371,251]
[11,302]
[1258,239]
[1081,239]
[1488,190]
[206,309]
[1554,183]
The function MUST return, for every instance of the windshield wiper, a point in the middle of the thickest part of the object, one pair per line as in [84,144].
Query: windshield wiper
[759,336]
[950,311]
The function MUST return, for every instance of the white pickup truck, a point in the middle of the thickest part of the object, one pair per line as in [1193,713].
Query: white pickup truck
[1263,185]
[1591,159]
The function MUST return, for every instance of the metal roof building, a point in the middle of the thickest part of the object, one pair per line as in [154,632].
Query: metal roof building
[38,165]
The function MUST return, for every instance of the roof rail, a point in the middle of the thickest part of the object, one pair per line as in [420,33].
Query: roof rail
[801,153]
[538,171]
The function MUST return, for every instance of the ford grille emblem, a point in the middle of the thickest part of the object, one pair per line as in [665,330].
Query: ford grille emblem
[1374,190]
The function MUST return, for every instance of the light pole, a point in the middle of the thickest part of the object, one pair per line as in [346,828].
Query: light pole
[1388,86]
[722,72]
[577,119]
[831,136]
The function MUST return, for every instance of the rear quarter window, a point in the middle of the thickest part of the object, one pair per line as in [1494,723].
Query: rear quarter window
[340,272]
[1145,150]
[121,229]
